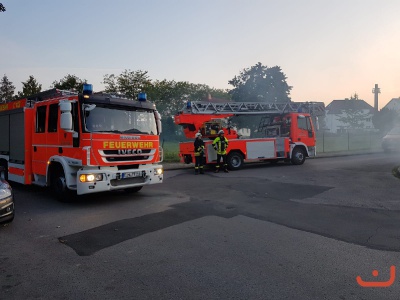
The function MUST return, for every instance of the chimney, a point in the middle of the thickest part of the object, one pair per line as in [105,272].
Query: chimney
[376,91]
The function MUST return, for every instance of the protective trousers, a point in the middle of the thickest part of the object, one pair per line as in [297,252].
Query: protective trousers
[224,162]
[198,165]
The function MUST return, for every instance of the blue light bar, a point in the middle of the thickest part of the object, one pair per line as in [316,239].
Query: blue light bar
[142,96]
[189,104]
[87,89]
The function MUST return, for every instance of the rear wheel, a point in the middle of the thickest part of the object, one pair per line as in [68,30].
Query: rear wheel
[188,159]
[298,156]
[3,171]
[235,160]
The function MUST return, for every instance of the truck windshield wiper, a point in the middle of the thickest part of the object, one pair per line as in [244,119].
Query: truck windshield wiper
[116,131]
[133,130]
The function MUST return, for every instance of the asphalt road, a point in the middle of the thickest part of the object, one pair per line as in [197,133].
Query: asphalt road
[264,232]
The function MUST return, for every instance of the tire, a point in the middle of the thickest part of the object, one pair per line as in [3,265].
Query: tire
[3,171]
[235,160]
[188,159]
[59,186]
[134,189]
[298,156]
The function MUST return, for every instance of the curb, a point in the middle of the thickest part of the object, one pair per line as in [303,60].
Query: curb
[178,165]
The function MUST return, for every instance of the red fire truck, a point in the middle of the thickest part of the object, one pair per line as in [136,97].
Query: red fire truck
[287,131]
[81,143]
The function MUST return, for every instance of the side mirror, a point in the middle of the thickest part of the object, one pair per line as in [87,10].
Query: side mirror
[158,122]
[66,115]
[316,123]
[89,107]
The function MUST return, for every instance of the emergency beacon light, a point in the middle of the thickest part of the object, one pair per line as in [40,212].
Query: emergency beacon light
[142,96]
[87,89]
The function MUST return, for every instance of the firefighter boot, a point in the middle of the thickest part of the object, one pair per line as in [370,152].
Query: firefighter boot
[201,170]
[216,170]
[196,171]
[226,170]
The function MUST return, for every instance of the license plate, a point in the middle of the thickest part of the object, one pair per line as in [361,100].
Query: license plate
[132,174]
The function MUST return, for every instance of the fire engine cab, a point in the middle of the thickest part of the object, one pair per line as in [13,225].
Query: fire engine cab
[81,143]
[287,131]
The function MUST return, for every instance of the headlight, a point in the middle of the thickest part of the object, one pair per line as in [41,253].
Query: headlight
[158,171]
[90,177]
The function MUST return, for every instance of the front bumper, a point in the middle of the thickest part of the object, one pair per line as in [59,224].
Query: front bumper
[114,179]
[6,209]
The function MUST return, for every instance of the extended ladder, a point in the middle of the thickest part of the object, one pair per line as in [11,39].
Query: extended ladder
[251,108]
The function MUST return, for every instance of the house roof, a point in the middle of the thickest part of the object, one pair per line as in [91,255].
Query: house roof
[337,106]
[393,104]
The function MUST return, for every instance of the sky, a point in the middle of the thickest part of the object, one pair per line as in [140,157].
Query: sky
[327,49]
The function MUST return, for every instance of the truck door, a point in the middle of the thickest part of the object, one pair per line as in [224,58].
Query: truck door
[39,159]
[52,138]
[305,130]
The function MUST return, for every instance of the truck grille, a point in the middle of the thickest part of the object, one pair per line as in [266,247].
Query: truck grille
[110,156]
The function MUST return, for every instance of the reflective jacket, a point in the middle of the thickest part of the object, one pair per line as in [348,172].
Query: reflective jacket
[198,147]
[220,145]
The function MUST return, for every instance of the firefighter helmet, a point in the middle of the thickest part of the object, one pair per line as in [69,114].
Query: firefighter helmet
[220,132]
[198,135]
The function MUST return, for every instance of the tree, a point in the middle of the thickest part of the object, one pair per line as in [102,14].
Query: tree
[128,83]
[70,83]
[6,90]
[170,96]
[2,8]
[30,87]
[220,93]
[353,97]
[353,118]
[260,84]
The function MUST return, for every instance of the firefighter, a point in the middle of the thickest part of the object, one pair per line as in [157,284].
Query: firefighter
[198,154]
[220,145]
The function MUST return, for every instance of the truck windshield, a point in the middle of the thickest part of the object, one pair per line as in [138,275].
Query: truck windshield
[105,119]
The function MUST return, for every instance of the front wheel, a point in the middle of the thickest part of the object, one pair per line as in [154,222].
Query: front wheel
[3,171]
[298,156]
[59,186]
[235,160]
[187,159]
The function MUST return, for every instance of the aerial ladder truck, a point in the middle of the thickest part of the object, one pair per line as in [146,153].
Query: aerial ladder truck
[286,130]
